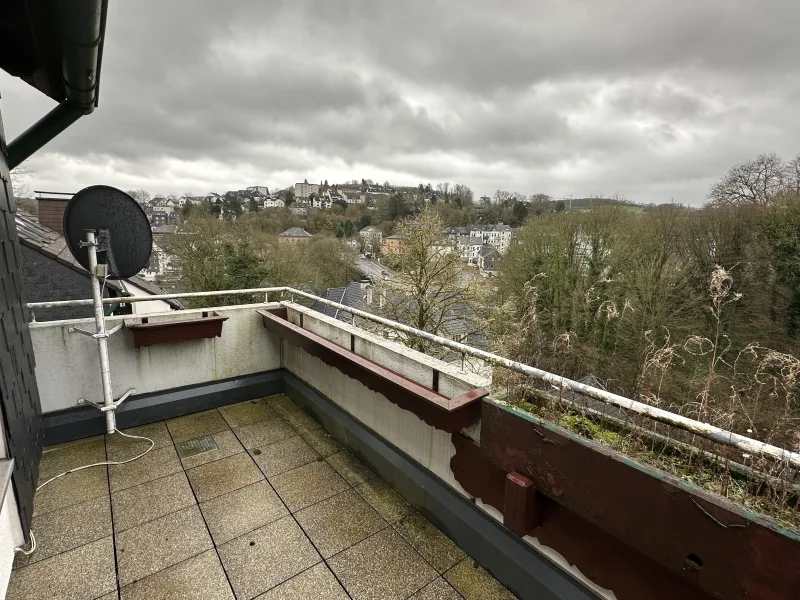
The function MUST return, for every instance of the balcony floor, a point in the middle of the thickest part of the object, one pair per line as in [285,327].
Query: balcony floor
[277,511]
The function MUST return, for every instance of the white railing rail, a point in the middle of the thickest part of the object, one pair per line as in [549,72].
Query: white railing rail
[703,430]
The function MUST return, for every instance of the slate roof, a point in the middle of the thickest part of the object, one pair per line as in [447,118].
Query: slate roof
[295,232]
[352,295]
[52,244]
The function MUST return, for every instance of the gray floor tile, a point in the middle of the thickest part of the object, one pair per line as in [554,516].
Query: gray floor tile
[110,596]
[160,543]
[62,530]
[120,447]
[317,583]
[72,489]
[322,441]
[280,403]
[236,513]
[382,567]
[84,573]
[474,583]
[339,522]
[299,419]
[198,577]
[380,496]
[64,457]
[223,476]
[263,433]
[153,465]
[349,467]
[151,500]
[227,445]
[432,544]
[284,456]
[308,485]
[196,425]
[438,589]
[247,413]
[261,559]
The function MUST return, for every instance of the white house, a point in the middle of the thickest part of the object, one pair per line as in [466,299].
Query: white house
[469,248]
[498,235]
[273,202]
[323,201]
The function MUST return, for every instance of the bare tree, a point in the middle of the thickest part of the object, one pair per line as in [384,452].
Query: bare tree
[444,189]
[756,181]
[430,288]
[141,196]
[462,195]
[793,174]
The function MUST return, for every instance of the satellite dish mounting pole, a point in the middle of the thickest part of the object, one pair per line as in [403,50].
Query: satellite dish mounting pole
[100,333]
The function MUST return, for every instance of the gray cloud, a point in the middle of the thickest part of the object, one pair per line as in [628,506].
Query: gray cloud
[649,99]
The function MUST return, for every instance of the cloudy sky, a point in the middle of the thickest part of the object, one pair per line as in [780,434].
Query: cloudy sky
[650,99]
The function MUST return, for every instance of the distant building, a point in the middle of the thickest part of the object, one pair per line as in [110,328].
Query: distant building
[259,188]
[395,244]
[372,235]
[323,202]
[294,235]
[273,202]
[305,189]
[488,259]
[469,248]
[498,235]
[300,208]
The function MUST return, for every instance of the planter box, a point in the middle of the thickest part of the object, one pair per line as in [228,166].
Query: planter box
[162,332]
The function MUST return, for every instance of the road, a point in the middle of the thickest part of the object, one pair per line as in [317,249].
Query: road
[371,269]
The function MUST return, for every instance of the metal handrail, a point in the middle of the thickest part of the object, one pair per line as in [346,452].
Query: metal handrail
[703,430]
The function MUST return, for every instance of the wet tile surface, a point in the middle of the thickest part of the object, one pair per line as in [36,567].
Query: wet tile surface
[308,485]
[159,544]
[196,425]
[84,573]
[438,549]
[227,445]
[380,496]
[474,583]
[241,511]
[349,467]
[284,456]
[382,567]
[339,522]
[438,589]
[264,433]
[241,534]
[151,500]
[317,583]
[322,441]
[68,528]
[199,577]
[223,476]
[155,464]
[72,489]
[247,413]
[261,559]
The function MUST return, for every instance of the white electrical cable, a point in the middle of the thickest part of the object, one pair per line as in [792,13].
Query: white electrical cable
[97,464]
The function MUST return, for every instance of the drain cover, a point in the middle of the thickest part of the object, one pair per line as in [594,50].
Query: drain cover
[196,446]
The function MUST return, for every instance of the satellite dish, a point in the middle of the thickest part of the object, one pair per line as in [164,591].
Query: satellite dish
[124,238]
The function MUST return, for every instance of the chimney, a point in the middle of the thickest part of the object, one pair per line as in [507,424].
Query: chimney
[51,213]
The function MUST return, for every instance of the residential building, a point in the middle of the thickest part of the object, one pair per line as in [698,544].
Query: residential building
[498,235]
[273,202]
[372,236]
[295,235]
[300,207]
[469,248]
[261,189]
[394,244]
[322,202]
[487,259]
[305,190]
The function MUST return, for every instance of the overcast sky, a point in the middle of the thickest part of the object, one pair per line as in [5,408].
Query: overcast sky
[650,99]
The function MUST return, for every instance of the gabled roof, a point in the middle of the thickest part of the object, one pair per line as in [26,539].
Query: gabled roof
[396,236]
[295,232]
[370,229]
[351,295]
[52,244]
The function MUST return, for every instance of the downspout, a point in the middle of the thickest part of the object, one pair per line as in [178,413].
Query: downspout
[81,25]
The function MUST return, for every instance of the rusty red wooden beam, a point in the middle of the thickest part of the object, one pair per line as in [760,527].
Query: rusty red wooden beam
[630,528]
[451,415]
